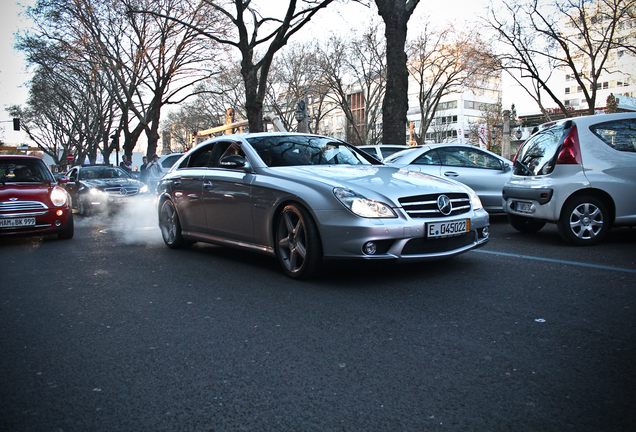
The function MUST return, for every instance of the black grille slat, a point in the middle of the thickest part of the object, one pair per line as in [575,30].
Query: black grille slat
[422,246]
[425,206]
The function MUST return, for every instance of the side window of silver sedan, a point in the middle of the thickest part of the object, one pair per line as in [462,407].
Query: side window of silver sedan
[428,158]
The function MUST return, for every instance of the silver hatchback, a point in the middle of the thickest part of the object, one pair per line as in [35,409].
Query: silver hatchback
[579,173]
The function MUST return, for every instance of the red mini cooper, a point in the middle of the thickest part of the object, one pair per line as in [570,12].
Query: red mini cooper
[31,203]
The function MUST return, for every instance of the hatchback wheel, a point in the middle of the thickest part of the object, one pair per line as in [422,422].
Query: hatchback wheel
[584,221]
[298,245]
[171,227]
[525,224]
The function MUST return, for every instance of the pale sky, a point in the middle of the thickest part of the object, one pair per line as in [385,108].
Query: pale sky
[13,74]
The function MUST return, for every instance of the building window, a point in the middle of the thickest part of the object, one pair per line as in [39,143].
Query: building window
[567,90]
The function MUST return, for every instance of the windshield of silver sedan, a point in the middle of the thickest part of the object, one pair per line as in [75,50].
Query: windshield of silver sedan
[285,150]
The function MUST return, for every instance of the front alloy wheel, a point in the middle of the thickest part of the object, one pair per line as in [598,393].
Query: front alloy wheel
[584,221]
[297,243]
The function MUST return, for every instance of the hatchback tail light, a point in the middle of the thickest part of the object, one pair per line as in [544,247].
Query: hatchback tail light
[570,153]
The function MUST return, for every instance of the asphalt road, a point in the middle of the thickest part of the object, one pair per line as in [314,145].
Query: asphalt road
[112,331]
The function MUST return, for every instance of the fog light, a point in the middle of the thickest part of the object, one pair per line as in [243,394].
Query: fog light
[59,212]
[370,248]
[58,223]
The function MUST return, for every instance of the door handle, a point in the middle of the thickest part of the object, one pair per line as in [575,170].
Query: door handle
[451,174]
[208,185]
[177,183]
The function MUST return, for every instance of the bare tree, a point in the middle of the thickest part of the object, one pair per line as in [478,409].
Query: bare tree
[575,35]
[249,32]
[442,62]
[354,70]
[396,14]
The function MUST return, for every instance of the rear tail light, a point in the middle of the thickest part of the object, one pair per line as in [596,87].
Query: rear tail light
[570,153]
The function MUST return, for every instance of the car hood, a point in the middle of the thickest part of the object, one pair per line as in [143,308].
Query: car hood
[105,183]
[373,180]
[26,191]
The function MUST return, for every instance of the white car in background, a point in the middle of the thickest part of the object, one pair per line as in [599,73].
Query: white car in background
[579,173]
[382,151]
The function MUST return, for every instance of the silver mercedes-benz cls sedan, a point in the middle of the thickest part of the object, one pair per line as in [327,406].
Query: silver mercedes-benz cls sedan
[303,198]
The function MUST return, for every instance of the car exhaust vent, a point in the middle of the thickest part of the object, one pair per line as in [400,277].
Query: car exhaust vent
[425,206]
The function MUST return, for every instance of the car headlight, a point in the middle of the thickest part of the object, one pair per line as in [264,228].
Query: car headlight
[143,189]
[58,196]
[362,206]
[94,191]
[474,199]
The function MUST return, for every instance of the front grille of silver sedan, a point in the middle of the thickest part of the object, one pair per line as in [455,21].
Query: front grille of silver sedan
[18,206]
[122,190]
[425,206]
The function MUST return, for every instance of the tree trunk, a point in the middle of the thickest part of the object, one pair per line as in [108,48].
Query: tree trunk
[396,14]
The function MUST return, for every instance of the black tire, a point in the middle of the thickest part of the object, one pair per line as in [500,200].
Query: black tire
[525,225]
[298,246]
[584,221]
[171,227]
[81,207]
[69,230]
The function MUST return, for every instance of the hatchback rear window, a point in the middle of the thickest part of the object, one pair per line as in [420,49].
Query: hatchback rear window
[618,134]
[536,156]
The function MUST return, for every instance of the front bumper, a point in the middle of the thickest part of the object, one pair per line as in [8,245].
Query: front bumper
[401,239]
[47,222]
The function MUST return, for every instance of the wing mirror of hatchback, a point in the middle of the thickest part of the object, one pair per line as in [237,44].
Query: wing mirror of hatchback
[506,166]
[63,179]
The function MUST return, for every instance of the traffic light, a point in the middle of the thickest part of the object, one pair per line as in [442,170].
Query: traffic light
[16,124]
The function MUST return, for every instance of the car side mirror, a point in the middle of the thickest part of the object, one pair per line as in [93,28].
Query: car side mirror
[232,161]
[63,179]
[506,166]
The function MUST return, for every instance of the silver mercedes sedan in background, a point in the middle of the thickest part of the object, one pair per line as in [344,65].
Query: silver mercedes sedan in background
[304,198]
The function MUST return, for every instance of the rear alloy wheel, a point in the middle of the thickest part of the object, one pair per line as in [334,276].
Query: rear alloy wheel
[524,224]
[298,245]
[171,227]
[584,221]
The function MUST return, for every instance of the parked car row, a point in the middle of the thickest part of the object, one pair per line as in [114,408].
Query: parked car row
[304,198]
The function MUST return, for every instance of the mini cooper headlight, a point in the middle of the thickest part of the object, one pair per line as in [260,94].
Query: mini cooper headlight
[362,206]
[58,196]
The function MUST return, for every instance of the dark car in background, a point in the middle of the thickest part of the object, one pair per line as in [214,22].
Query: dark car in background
[99,188]
[31,202]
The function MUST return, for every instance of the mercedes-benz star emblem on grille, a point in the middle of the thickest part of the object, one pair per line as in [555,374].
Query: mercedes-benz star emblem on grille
[123,191]
[444,205]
